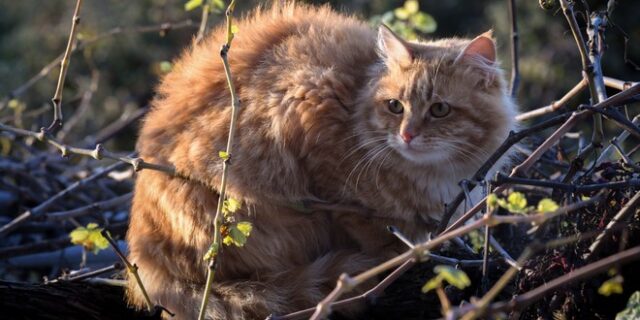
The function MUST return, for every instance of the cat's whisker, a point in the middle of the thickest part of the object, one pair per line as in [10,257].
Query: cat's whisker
[483,154]
[377,175]
[362,133]
[468,154]
[367,166]
[363,160]
[363,145]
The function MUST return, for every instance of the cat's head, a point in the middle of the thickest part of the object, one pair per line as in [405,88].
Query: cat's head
[436,102]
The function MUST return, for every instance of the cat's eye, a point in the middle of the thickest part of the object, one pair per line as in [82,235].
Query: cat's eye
[439,109]
[395,106]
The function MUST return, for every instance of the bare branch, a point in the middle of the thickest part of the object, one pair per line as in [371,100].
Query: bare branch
[80,45]
[64,66]
[522,301]
[216,245]
[40,209]
[619,218]
[97,153]
[555,105]
[97,206]
[512,139]
[206,10]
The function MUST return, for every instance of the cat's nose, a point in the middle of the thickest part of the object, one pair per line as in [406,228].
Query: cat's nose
[407,136]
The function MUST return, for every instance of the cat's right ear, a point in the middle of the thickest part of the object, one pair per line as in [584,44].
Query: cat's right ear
[392,48]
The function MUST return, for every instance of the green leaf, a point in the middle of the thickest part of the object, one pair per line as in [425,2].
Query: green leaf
[89,237]
[453,276]
[217,5]
[517,202]
[401,13]
[433,283]
[245,227]
[632,312]
[192,4]
[237,234]
[212,252]
[411,6]
[423,22]
[223,155]
[231,206]
[547,205]
[611,286]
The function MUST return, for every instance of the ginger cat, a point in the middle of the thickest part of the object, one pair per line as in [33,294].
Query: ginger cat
[331,111]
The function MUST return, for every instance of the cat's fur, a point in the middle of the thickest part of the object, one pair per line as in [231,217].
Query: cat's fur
[314,124]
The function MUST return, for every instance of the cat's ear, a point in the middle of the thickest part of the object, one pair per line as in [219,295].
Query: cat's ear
[482,49]
[392,48]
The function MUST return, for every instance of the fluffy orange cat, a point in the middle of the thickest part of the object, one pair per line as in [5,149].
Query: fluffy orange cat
[332,111]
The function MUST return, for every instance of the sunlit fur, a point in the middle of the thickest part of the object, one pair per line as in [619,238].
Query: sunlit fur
[313,125]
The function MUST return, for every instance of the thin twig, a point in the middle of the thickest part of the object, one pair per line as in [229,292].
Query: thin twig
[40,209]
[619,218]
[116,127]
[371,294]
[163,28]
[619,119]
[216,245]
[91,274]
[346,283]
[620,138]
[50,244]
[85,104]
[614,100]
[555,105]
[625,159]
[618,84]
[92,208]
[595,31]
[522,301]
[131,268]
[98,153]
[501,179]
[64,66]
[206,10]
[512,139]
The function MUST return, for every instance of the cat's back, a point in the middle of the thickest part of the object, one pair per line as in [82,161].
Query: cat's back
[279,53]
[297,70]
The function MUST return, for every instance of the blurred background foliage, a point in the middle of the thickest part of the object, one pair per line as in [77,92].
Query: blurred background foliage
[126,66]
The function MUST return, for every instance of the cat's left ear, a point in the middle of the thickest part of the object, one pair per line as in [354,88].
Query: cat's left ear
[481,49]
[392,48]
